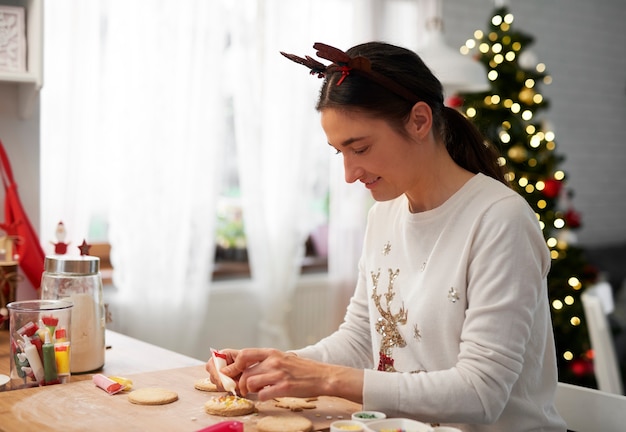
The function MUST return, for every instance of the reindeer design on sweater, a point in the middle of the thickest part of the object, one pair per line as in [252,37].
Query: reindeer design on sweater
[387,325]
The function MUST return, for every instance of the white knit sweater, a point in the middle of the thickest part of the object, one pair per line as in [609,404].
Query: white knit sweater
[456,298]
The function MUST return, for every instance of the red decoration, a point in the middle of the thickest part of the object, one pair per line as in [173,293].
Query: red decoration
[454,101]
[28,247]
[84,248]
[552,188]
[573,218]
[60,248]
[345,71]
[10,229]
[385,363]
[581,367]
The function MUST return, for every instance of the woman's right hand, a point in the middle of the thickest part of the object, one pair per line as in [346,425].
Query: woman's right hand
[231,355]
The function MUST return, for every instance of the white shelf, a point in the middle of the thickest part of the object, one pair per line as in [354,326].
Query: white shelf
[30,82]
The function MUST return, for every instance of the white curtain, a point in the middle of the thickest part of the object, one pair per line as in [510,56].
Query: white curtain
[71,190]
[131,127]
[136,101]
[349,204]
[280,141]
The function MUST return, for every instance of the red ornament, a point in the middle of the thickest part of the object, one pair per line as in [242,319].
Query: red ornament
[385,362]
[581,367]
[455,101]
[552,188]
[60,248]
[10,229]
[84,248]
[573,218]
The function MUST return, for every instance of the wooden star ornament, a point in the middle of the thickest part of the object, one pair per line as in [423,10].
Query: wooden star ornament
[84,248]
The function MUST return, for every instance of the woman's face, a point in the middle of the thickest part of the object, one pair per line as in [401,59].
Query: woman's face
[386,162]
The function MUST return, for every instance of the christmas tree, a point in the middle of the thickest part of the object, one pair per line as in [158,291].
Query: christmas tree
[507,116]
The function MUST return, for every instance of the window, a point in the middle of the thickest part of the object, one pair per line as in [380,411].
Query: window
[132,143]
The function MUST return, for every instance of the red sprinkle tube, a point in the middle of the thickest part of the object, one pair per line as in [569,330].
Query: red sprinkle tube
[107,384]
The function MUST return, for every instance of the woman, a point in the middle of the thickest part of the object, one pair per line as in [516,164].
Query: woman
[449,322]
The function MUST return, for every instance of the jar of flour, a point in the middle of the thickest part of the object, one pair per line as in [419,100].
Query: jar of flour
[78,280]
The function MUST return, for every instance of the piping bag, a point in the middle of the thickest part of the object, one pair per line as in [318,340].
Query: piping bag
[219,360]
[225,426]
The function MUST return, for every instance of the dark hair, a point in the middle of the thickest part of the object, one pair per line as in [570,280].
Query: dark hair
[464,142]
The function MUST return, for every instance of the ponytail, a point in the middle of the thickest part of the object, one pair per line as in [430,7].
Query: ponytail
[468,148]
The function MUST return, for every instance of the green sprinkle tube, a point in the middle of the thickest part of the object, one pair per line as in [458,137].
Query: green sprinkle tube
[49,362]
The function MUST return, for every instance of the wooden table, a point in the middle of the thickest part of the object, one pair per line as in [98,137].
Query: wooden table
[81,406]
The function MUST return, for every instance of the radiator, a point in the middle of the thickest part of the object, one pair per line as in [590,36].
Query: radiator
[313,313]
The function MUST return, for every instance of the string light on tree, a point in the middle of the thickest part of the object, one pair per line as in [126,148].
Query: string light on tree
[507,114]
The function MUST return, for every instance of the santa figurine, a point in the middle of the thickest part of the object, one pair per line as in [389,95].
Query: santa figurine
[60,248]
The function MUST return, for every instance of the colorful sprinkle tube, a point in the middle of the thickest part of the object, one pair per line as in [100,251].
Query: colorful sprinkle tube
[107,384]
[18,363]
[49,362]
[62,357]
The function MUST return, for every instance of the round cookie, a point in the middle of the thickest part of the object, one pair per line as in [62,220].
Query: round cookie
[229,406]
[152,396]
[288,423]
[205,384]
[295,403]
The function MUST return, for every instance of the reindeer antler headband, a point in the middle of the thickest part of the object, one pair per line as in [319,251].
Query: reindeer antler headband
[345,64]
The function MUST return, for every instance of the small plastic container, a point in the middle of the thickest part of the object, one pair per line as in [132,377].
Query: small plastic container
[39,342]
[4,380]
[398,424]
[368,416]
[347,426]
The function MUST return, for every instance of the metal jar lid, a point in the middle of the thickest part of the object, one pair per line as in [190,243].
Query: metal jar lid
[83,265]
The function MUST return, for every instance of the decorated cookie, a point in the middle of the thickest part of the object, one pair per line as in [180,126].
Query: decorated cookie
[229,406]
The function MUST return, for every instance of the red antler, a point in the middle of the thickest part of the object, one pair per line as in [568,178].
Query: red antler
[333,54]
[343,63]
[315,66]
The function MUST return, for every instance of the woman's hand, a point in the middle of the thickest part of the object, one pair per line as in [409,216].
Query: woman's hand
[211,369]
[271,373]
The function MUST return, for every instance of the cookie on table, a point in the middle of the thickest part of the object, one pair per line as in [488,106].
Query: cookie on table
[205,384]
[229,406]
[152,396]
[295,403]
[288,423]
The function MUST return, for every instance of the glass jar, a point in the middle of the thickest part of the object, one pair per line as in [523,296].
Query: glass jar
[39,342]
[78,280]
